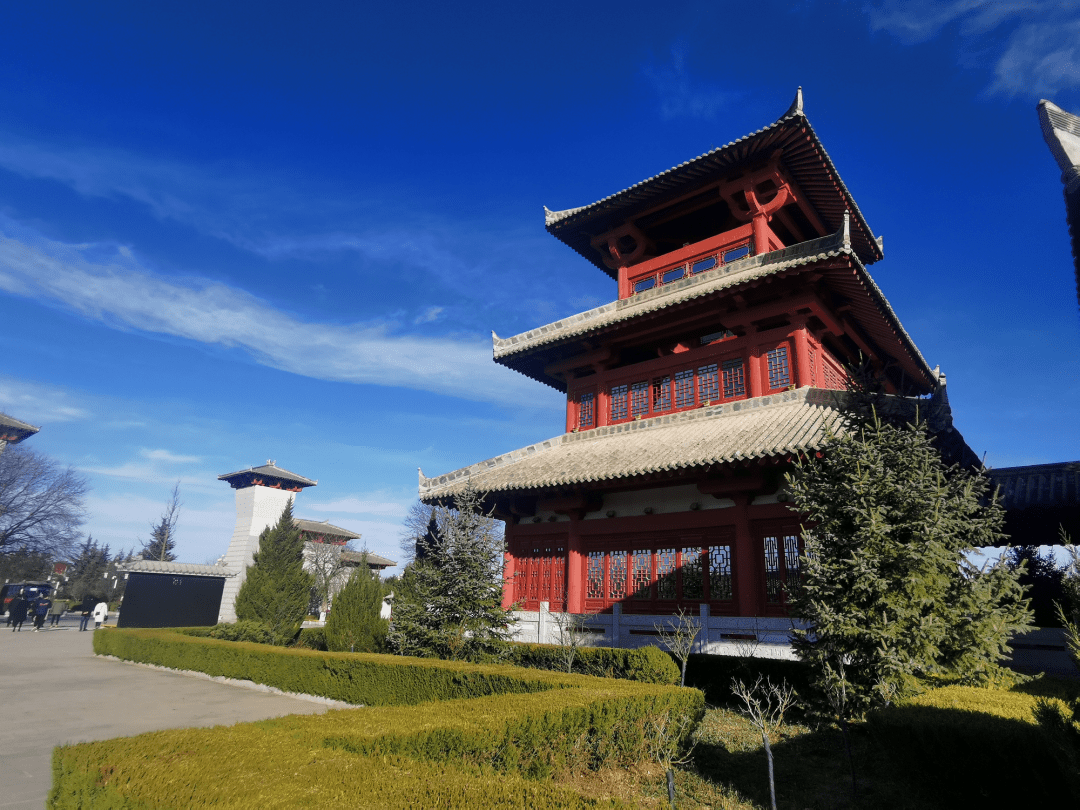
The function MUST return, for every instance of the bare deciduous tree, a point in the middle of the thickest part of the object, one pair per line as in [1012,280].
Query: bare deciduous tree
[328,570]
[678,635]
[41,504]
[572,635]
[764,705]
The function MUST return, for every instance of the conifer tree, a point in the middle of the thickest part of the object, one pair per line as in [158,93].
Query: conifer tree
[355,623]
[277,589]
[162,534]
[888,590]
[448,602]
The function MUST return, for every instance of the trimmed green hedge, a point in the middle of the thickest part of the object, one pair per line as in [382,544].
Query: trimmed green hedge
[454,753]
[976,747]
[712,674]
[360,678]
[645,664]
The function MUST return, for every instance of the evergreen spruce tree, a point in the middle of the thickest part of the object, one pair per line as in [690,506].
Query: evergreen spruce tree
[888,590]
[355,624]
[162,540]
[448,602]
[277,589]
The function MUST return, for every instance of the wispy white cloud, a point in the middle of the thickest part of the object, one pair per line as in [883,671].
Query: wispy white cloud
[38,404]
[123,521]
[430,315]
[1032,48]
[117,291]
[374,504]
[680,94]
[168,457]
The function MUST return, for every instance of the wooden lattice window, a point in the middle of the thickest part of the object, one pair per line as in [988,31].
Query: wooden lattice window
[781,566]
[708,387]
[617,575]
[557,596]
[641,575]
[661,395]
[734,379]
[666,586]
[693,583]
[639,399]
[594,581]
[812,363]
[619,395]
[586,411]
[720,572]
[684,388]
[779,373]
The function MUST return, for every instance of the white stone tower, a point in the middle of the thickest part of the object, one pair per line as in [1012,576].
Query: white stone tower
[261,496]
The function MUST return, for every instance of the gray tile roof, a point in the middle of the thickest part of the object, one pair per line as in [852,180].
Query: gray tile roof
[324,527]
[187,569]
[373,559]
[1061,130]
[889,333]
[15,430]
[804,156]
[1038,485]
[774,425]
[270,470]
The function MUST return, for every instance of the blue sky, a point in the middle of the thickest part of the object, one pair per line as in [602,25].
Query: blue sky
[238,232]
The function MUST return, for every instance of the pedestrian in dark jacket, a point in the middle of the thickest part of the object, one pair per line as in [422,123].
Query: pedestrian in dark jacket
[86,609]
[41,610]
[17,611]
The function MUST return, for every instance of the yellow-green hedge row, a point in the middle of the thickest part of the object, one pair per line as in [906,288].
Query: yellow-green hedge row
[359,678]
[452,753]
[977,746]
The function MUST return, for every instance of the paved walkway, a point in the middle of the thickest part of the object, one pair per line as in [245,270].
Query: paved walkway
[53,690]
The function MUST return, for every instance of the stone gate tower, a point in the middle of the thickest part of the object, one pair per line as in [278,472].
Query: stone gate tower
[261,496]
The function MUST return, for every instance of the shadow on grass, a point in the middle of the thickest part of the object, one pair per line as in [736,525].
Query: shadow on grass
[811,769]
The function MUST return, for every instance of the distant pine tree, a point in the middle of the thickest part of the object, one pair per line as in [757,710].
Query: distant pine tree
[448,602]
[162,540]
[276,590]
[355,623]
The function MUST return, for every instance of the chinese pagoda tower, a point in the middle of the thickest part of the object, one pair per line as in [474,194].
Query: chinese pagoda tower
[261,496]
[742,297]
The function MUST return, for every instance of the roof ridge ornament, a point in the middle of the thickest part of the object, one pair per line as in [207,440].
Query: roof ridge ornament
[796,107]
[846,230]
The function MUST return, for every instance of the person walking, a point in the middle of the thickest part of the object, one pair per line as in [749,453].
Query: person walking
[56,611]
[86,608]
[17,611]
[101,613]
[41,610]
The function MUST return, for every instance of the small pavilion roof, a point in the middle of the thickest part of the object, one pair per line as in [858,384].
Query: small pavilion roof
[773,426]
[166,567]
[803,156]
[325,528]
[267,472]
[1061,130]
[374,560]
[530,351]
[13,430]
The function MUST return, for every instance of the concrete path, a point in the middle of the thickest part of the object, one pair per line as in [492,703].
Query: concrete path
[54,690]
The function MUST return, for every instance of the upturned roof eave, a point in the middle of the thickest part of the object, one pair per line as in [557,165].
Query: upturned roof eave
[582,325]
[559,221]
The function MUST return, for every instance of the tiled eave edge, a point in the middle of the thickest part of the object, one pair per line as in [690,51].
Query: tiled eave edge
[825,399]
[729,275]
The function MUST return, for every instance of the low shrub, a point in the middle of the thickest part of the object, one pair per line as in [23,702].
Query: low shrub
[359,678]
[456,753]
[713,674]
[243,630]
[645,664]
[311,638]
[963,741]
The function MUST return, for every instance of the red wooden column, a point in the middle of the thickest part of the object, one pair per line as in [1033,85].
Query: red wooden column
[509,569]
[802,354]
[753,371]
[745,562]
[575,566]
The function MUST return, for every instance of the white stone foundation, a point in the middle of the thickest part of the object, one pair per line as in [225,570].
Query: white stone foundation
[761,636]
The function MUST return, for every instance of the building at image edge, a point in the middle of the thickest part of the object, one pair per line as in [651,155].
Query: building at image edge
[742,296]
